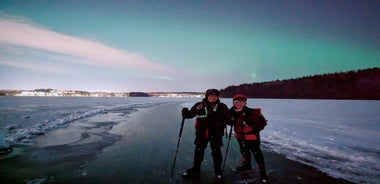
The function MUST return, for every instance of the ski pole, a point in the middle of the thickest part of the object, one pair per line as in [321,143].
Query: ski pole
[176,151]
[228,145]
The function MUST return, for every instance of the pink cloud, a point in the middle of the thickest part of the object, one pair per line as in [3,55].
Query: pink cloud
[36,67]
[19,33]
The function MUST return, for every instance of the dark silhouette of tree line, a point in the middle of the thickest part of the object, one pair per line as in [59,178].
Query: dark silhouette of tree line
[361,84]
[138,94]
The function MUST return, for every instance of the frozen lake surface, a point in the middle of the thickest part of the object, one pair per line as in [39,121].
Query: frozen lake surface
[98,139]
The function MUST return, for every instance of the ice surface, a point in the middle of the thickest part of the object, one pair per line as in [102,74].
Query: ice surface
[339,137]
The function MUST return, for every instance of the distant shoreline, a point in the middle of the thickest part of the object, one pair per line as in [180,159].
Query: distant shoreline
[169,95]
[75,93]
[352,85]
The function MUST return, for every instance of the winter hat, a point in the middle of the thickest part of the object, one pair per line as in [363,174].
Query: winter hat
[212,91]
[239,97]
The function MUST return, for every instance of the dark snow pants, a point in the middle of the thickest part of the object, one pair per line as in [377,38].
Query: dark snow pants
[202,138]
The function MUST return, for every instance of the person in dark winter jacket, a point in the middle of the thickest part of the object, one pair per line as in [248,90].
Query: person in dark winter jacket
[248,122]
[211,117]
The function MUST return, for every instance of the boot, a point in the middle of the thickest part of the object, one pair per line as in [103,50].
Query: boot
[196,169]
[217,158]
[192,172]
[218,170]
[263,174]
[218,173]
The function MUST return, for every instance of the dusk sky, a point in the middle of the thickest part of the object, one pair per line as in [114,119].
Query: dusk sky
[124,46]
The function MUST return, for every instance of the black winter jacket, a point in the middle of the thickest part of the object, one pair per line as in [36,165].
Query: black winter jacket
[209,115]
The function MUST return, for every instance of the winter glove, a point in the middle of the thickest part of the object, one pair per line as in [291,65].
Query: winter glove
[185,112]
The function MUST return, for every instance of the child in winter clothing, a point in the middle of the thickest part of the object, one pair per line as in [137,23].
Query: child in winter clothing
[248,123]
